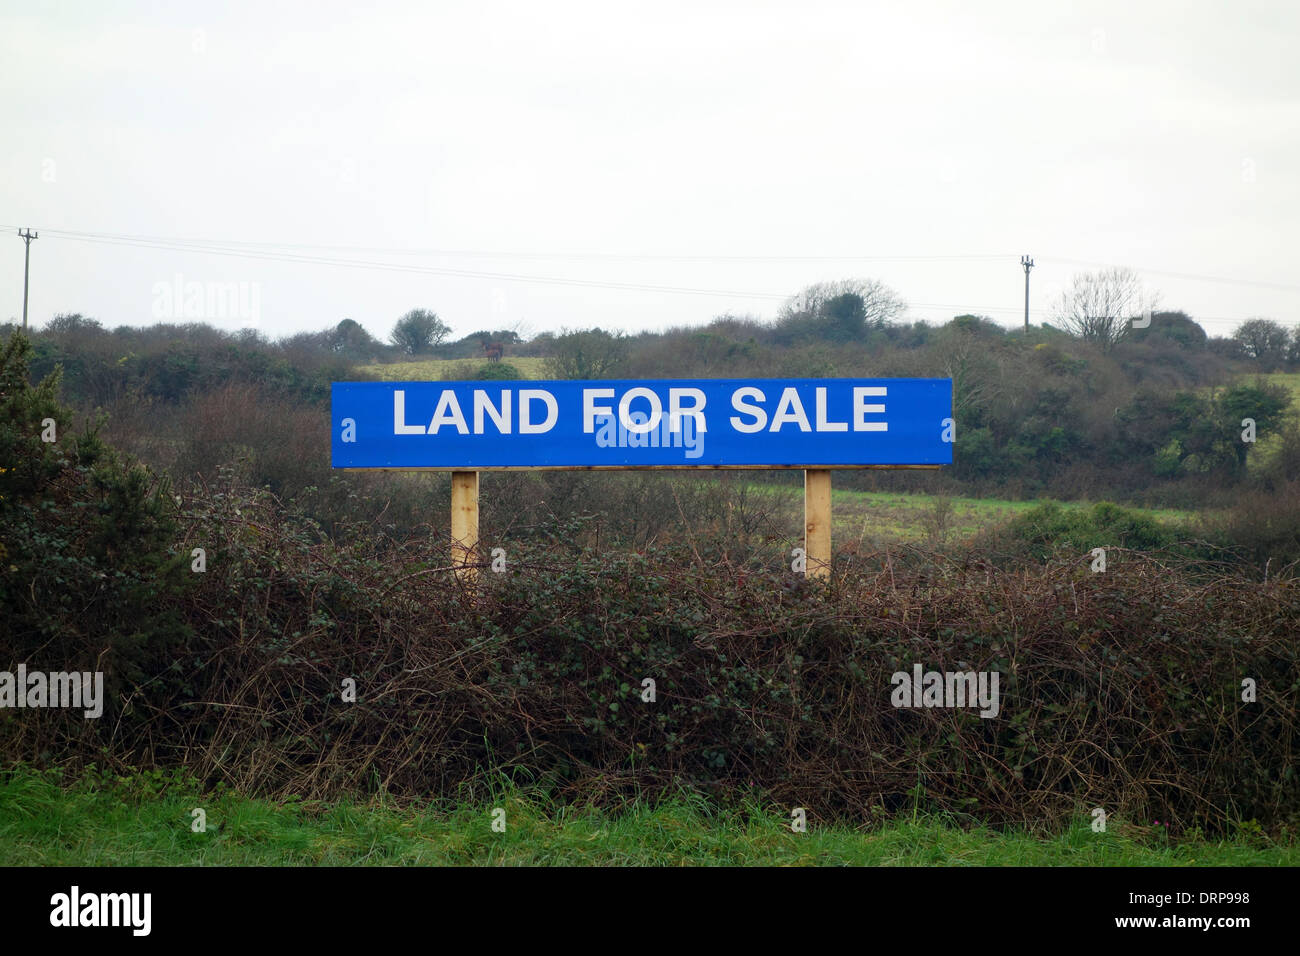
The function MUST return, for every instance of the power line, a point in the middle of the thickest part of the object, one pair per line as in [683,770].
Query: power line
[1286,287]
[204,244]
[430,270]
[491,254]
[247,249]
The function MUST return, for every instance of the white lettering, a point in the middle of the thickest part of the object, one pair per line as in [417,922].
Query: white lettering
[501,417]
[790,409]
[591,411]
[526,397]
[861,409]
[738,403]
[448,413]
[822,424]
[656,411]
[399,416]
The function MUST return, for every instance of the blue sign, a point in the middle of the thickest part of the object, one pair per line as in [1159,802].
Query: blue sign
[687,423]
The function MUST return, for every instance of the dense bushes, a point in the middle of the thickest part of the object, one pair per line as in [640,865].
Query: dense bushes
[172,363]
[1119,690]
[89,576]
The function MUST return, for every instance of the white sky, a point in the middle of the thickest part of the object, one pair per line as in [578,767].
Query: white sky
[559,136]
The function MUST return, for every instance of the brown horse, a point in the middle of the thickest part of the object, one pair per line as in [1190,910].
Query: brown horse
[493,350]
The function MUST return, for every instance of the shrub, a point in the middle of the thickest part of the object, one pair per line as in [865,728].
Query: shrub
[1117,690]
[497,370]
[89,572]
[1048,529]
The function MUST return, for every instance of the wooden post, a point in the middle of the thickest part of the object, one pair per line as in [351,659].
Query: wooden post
[464,525]
[817,522]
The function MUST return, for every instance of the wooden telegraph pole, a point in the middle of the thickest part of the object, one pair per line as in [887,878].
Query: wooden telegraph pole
[26,235]
[464,526]
[817,522]
[1028,263]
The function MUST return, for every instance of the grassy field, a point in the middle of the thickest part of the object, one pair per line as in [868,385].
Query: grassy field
[438,370]
[914,516]
[1290,380]
[897,516]
[146,820]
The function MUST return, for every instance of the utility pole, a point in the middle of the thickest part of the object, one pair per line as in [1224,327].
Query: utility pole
[26,235]
[1028,263]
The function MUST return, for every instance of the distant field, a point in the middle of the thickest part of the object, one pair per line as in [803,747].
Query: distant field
[897,516]
[904,516]
[1290,379]
[440,370]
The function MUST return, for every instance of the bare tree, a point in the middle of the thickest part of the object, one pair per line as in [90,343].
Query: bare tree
[1100,306]
[879,302]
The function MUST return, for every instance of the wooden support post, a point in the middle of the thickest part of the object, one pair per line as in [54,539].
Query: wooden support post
[464,525]
[817,522]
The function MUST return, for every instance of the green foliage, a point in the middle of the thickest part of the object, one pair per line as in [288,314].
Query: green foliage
[589,354]
[351,340]
[1175,327]
[1263,340]
[89,573]
[1048,529]
[418,331]
[1189,433]
[497,370]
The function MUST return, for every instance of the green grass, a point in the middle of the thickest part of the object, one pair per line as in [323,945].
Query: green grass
[909,517]
[437,370]
[146,821]
[1289,380]
[904,516]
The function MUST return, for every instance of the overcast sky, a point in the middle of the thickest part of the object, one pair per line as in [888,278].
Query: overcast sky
[737,150]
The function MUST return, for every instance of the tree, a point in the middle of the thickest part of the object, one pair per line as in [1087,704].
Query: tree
[964,356]
[844,318]
[1176,327]
[1263,340]
[593,353]
[88,539]
[980,325]
[418,331]
[1191,433]
[1100,306]
[72,324]
[839,311]
[1262,403]
[350,338]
